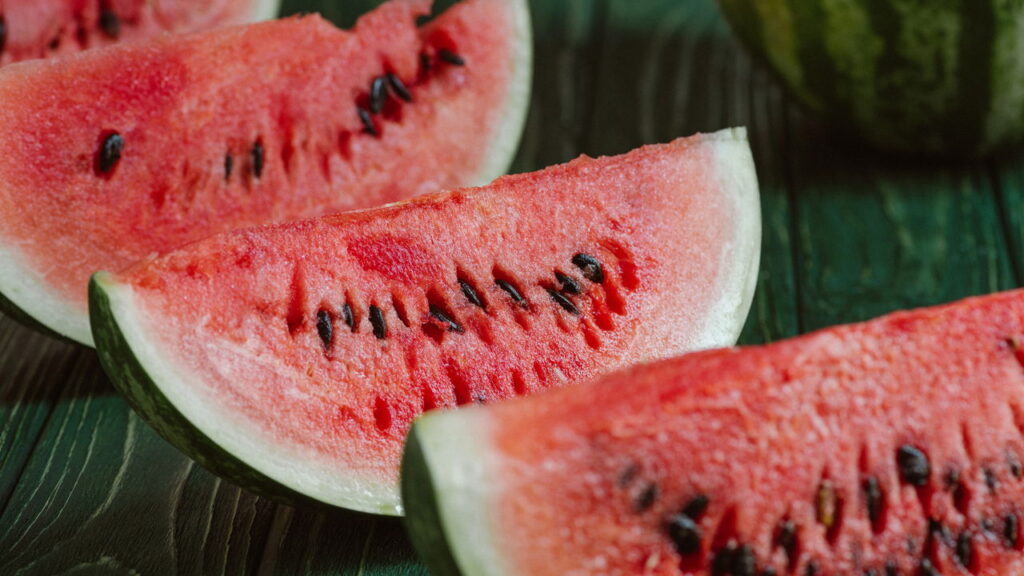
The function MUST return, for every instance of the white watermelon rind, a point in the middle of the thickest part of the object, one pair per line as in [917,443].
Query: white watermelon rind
[451,468]
[133,380]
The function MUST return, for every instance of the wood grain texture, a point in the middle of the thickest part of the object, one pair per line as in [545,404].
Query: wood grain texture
[86,487]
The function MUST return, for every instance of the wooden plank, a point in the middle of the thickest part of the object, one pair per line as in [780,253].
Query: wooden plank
[102,491]
[34,368]
[878,234]
[671,69]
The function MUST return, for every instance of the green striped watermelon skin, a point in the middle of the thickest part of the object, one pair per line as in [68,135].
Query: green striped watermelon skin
[918,77]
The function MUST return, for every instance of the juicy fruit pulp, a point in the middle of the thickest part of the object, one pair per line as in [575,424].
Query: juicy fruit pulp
[32,29]
[179,138]
[889,447]
[292,358]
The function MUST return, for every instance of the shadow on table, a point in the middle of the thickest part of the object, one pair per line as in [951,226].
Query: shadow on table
[310,541]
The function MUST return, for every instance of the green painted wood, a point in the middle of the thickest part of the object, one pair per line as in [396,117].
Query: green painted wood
[102,493]
[86,487]
[34,367]
[876,235]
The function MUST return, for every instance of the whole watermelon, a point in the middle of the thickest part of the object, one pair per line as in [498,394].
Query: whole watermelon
[921,77]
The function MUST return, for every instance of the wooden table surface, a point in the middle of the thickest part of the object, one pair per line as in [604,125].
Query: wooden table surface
[86,487]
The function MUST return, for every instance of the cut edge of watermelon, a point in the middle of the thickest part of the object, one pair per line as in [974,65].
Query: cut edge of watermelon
[508,133]
[157,388]
[28,301]
[453,505]
[266,10]
[455,492]
[734,168]
[129,358]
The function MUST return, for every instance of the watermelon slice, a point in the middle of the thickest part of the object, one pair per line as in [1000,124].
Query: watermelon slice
[32,29]
[292,358]
[889,447]
[152,145]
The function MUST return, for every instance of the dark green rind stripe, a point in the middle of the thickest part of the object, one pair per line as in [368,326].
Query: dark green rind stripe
[422,516]
[14,312]
[968,130]
[745,22]
[132,380]
[934,87]
[820,77]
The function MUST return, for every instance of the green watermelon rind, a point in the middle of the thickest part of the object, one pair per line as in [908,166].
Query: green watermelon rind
[445,471]
[135,384]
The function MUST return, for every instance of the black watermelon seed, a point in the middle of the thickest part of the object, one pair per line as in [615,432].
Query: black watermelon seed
[424,61]
[378,94]
[696,507]
[786,539]
[990,479]
[939,531]
[257,158]
[1011,531]
[734,560]
[646,498]
[110,22]
[952,480]
[399,87]
[914,466]
[348,317]
[451,57]
[685,534]
[508,287]
[628,474]
[324,327]
[229,166]
[380,328]
[1016,470]
[368,126]
[964,549]
[590,266]
[110,152]
[471,294]
[891,569]
[988,525]
[812,569]
[440,315]
[873,501]
[569,284]
[564,302]
[3,33]
[769,571]
[927,568]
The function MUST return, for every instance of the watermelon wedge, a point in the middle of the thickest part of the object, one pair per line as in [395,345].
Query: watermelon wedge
[292,358]
[889,447]
[31,29]
[112,155]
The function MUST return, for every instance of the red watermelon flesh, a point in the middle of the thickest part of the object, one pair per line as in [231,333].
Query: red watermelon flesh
[889,447]
[115,154]
[292,358]
[32,29]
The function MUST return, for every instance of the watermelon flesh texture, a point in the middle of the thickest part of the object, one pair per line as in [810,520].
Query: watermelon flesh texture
[889,447]
[242,126]
[292,358]
[45,28]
